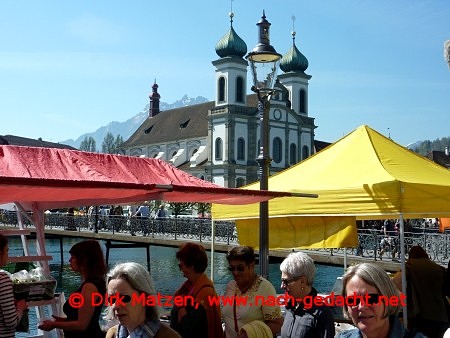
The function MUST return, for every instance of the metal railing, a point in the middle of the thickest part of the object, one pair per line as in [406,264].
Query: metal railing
[373,244]
[169,228]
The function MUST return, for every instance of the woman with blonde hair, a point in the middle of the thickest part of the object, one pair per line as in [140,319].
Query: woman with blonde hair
[372,303]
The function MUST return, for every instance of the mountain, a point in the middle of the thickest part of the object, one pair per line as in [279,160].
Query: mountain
[128,127]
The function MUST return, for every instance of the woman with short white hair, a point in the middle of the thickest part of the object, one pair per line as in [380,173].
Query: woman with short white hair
[128,286]
[303,317]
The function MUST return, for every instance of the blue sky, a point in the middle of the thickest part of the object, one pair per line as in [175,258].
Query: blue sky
[67,68]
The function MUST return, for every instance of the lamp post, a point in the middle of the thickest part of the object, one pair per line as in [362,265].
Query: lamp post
[264,65]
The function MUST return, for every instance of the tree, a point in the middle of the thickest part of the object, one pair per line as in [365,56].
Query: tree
[108,146]
[203,208]
[118,142]
[88,144]
[179,207]
[425,147]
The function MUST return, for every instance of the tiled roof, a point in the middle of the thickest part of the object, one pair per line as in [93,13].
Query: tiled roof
[180,123]
[176,124]
[24,141]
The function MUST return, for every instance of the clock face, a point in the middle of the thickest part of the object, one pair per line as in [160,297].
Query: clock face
[277,114]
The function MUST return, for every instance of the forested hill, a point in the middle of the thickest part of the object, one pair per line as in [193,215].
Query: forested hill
[425,147]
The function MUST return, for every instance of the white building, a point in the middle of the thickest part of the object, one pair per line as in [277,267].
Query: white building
[218,140]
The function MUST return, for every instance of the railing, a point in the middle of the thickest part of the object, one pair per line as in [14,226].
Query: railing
[372,243]
[170,228]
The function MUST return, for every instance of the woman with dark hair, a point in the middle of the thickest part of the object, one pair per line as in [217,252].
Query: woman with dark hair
[201,319]
[11,311]
[253,318]
[87,259]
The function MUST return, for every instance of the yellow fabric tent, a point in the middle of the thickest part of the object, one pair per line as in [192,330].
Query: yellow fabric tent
[364,175]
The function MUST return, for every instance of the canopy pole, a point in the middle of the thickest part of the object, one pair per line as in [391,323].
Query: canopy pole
[403,264]
[345,259]
[213,240]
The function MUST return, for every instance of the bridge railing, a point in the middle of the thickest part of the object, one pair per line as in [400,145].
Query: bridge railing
[372,243]
[170,228]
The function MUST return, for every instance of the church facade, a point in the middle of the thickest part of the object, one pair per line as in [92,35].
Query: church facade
[219,140]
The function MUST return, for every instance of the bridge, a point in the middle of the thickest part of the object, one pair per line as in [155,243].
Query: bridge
[122,231]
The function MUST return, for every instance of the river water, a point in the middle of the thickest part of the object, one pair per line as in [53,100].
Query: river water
[164,269]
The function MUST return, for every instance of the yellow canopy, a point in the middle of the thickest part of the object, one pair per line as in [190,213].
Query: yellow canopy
[363,175]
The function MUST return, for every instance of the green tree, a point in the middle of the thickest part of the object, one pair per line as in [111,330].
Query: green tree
[425,147]
[108,145]
[88,144]
[179,207]
[203,208]
[118,142]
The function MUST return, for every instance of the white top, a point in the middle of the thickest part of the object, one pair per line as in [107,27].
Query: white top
[251,310]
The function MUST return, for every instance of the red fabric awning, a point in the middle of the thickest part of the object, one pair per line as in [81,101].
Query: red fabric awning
[56,178]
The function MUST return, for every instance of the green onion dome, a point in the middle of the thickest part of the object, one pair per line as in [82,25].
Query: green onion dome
[231,44]
[293,60]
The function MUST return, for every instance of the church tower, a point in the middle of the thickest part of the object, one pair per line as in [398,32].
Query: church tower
[296,81]
[294,64]
[231,69]
[232,123]
[154,101]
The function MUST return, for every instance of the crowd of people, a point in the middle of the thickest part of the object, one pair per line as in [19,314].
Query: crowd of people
[250,306]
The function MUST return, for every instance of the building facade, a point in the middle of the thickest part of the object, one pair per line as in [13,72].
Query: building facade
[219,140]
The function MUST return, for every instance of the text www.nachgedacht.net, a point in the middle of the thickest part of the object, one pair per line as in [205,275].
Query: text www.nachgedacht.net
[77,300]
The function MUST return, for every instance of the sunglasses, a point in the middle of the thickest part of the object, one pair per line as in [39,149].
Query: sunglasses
[239,268]
[118,298]
[286,282]
[369,299]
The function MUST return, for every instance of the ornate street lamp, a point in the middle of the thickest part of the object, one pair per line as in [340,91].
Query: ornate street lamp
[264,65]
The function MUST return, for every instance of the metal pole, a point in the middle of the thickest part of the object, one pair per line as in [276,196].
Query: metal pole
[264,165]
[403,265]
[213,241]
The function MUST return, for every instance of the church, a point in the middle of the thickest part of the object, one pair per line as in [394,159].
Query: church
[219,141]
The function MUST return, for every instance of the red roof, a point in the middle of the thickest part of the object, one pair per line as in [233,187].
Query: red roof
[55,178]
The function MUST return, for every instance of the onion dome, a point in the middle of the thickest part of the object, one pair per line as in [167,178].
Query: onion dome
[231,44]
[293,60]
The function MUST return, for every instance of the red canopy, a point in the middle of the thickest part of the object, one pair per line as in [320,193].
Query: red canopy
[54,178]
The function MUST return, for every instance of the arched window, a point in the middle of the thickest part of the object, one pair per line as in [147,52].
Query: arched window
[292,154]
[221,89]
[302,101]
[240,149]
[277,150]
[218,152]
[240,181]
[305,152]
[239,89]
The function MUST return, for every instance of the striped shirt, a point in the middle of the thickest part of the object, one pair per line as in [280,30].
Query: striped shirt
[9,316]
